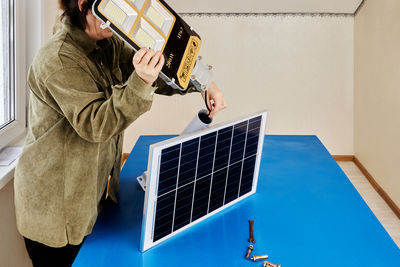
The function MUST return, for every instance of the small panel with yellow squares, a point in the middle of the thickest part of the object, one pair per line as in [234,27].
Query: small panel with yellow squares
[153,24]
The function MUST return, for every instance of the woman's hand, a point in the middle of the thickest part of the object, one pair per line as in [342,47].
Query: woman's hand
[215,99]
[148,64]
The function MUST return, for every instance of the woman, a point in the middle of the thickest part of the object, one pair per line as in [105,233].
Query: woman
[87,88]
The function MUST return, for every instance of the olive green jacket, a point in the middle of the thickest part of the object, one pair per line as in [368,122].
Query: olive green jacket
[83,96]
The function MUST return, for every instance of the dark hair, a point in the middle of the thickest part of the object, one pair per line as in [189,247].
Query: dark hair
[71,10]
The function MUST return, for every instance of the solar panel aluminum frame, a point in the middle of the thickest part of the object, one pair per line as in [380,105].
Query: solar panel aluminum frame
[150,202]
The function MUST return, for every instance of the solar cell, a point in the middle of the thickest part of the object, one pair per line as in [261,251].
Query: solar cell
[193,177]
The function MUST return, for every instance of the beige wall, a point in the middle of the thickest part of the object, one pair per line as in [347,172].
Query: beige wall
[12,248]
[377,92]
[299,68]
[52,13]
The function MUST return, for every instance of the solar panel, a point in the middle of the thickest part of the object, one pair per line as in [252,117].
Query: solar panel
[194,176]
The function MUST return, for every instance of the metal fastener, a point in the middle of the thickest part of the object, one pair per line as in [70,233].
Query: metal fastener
[249,249]
[251,238]
[199,57]
[268,264]
[258,258]
[210,67]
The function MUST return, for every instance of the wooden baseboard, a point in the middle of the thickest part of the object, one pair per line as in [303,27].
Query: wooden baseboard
[371,180]
[343,157]
[124,158]
[378,188]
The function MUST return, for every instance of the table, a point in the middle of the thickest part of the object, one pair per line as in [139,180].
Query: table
[306,211]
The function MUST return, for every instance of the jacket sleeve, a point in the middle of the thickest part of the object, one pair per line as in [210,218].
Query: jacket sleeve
[164,89]
[97,119]
[125,60]
[125,63]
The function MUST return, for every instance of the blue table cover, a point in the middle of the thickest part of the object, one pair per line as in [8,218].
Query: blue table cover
[306,212]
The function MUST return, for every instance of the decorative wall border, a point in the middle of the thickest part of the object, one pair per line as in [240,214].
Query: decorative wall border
[359,7]
[318,15]
[296,14]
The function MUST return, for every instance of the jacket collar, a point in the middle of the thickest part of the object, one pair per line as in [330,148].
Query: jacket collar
[82,39]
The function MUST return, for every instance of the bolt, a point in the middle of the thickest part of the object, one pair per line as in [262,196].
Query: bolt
[257,258]
[268,264]
[251,238]
[250,248]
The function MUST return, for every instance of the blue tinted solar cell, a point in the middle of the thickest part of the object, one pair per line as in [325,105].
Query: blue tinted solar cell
[188,162]
[164,215]
[183,208]
[170,153]
[253,136]
[223,148]
[232,187]
[201,195]
[168,169]
[217,189]
[255,123]
[251,145]
[247,175]
[238,142]
[206,154]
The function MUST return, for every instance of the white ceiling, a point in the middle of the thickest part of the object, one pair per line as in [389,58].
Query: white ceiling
[265,6]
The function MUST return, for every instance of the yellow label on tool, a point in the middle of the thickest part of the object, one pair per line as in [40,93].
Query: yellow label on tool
[188,61]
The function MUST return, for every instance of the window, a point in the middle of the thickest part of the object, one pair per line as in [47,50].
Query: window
[12,71]
[7,99]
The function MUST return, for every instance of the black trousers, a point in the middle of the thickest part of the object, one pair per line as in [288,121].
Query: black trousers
[45,256]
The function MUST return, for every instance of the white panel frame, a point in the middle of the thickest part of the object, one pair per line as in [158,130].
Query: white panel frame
[152,180]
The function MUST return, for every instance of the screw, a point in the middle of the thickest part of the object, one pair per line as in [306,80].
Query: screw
[210,67]
[250,248]
[268,264]
[257,258]
[251,238]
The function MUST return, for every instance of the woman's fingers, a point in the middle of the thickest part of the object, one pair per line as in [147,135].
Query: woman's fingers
[160,63]
[154,60]
[147,57]
[148,64]
[215,95]
[139,54]
[217,108]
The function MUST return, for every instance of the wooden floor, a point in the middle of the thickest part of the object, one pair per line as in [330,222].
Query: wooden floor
[378,206]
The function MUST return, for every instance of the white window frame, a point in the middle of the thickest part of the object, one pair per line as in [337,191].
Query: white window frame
[17,128]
